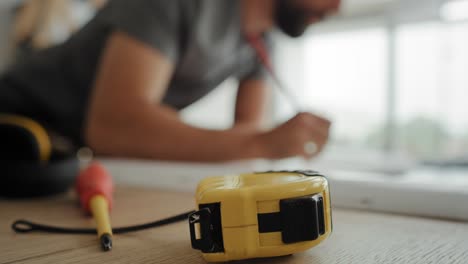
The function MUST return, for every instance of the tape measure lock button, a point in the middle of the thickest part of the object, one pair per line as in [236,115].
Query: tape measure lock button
[299,219]
[302,219]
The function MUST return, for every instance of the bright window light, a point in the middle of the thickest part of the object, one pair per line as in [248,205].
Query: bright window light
[454,10]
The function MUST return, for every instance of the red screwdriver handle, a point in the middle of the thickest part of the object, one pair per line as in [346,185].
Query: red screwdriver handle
[92,181]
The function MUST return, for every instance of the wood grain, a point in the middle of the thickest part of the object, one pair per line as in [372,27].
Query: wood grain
[358,237]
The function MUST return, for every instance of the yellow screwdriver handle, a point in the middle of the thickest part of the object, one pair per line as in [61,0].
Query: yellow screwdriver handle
[100,210]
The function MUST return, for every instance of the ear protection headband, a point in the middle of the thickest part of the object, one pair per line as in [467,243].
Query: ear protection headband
[29,164]
[23,139]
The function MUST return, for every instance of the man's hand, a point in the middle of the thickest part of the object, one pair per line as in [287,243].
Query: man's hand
[290,139]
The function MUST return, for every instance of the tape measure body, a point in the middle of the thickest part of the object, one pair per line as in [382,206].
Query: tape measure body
[260,215]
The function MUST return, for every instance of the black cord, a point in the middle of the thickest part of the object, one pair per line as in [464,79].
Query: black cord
[170,220]
[24,226]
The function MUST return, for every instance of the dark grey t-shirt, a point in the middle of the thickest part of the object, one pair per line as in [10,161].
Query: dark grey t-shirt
[202,37]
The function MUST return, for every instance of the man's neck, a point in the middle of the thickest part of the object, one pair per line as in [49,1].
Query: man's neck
[257,16]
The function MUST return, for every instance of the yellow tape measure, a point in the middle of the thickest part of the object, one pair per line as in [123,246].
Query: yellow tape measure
[260,215]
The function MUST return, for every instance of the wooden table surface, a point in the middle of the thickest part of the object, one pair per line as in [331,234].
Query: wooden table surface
[358,237]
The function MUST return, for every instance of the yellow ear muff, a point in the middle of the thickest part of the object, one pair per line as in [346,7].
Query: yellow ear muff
[37,136]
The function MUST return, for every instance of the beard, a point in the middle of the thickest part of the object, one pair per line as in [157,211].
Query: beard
[290,19]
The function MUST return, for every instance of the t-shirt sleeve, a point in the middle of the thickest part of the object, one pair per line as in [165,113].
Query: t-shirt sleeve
[258,70]
[154,22]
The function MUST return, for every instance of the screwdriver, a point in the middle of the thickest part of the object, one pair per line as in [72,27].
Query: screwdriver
[94,186]
[258,45]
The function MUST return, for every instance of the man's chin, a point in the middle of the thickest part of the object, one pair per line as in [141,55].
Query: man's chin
[293,32]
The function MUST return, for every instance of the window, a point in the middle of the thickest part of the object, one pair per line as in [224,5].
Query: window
[432,79]
[346,75]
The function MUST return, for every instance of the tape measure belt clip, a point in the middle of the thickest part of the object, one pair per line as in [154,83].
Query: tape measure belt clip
[206,229]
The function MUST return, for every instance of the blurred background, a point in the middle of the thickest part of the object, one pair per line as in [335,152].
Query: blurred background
[391,74]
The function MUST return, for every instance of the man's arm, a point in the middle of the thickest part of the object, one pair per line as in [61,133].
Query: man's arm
[126,117]
[250,104]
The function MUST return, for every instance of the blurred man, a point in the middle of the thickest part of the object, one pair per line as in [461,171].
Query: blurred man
[117,84]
